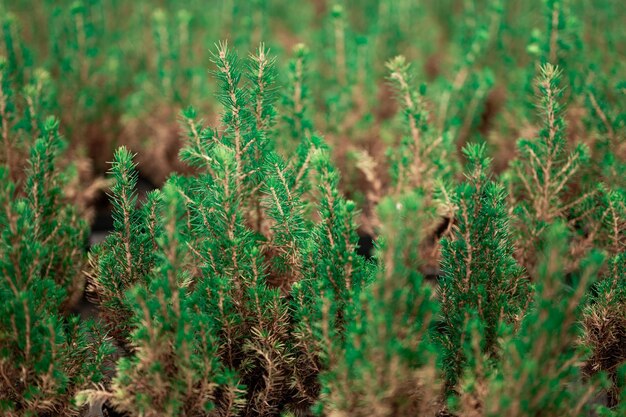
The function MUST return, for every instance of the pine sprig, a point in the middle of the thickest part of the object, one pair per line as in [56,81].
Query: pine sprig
[53,221]
[173,372]
[126,256]
[385,365]
[235,101]
[482,283]
[46,354]
[423,156]
[23,110]
[199,141]
[289,227]
[297,95]
[543,355]
[548,167]
[544,169]
[262,75]
[410,172]
[604,321]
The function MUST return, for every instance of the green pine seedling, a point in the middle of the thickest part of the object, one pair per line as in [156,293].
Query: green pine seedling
[297,95]
[540,372]
[46,354]
[559,42]
[385,365]
[245,236]
[126,256]
[424,156]
[464,93]
[336,67]
[175,369]
[22,115]
[604,319]
[544,170]
[332,275]
[482,284]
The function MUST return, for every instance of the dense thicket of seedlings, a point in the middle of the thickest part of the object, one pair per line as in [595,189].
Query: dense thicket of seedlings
[240,287]
[46,355]
[222,250]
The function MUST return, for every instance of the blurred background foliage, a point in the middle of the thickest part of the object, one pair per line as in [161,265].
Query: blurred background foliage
[123,70]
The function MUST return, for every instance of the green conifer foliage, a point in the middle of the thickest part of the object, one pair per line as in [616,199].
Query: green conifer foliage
[209,306]
[237,289]
[606,118]
[385,365]
[171,77]
[482,284]
[559,41]
[540,373]
[175,370]
[23,107]
[46,355]
[423,156]
[543,172]
[297,95]
[604,318]
[333,275]
[336,39]
[232,231]
[253,314]
[127,255]
[464,92]
[18,57]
